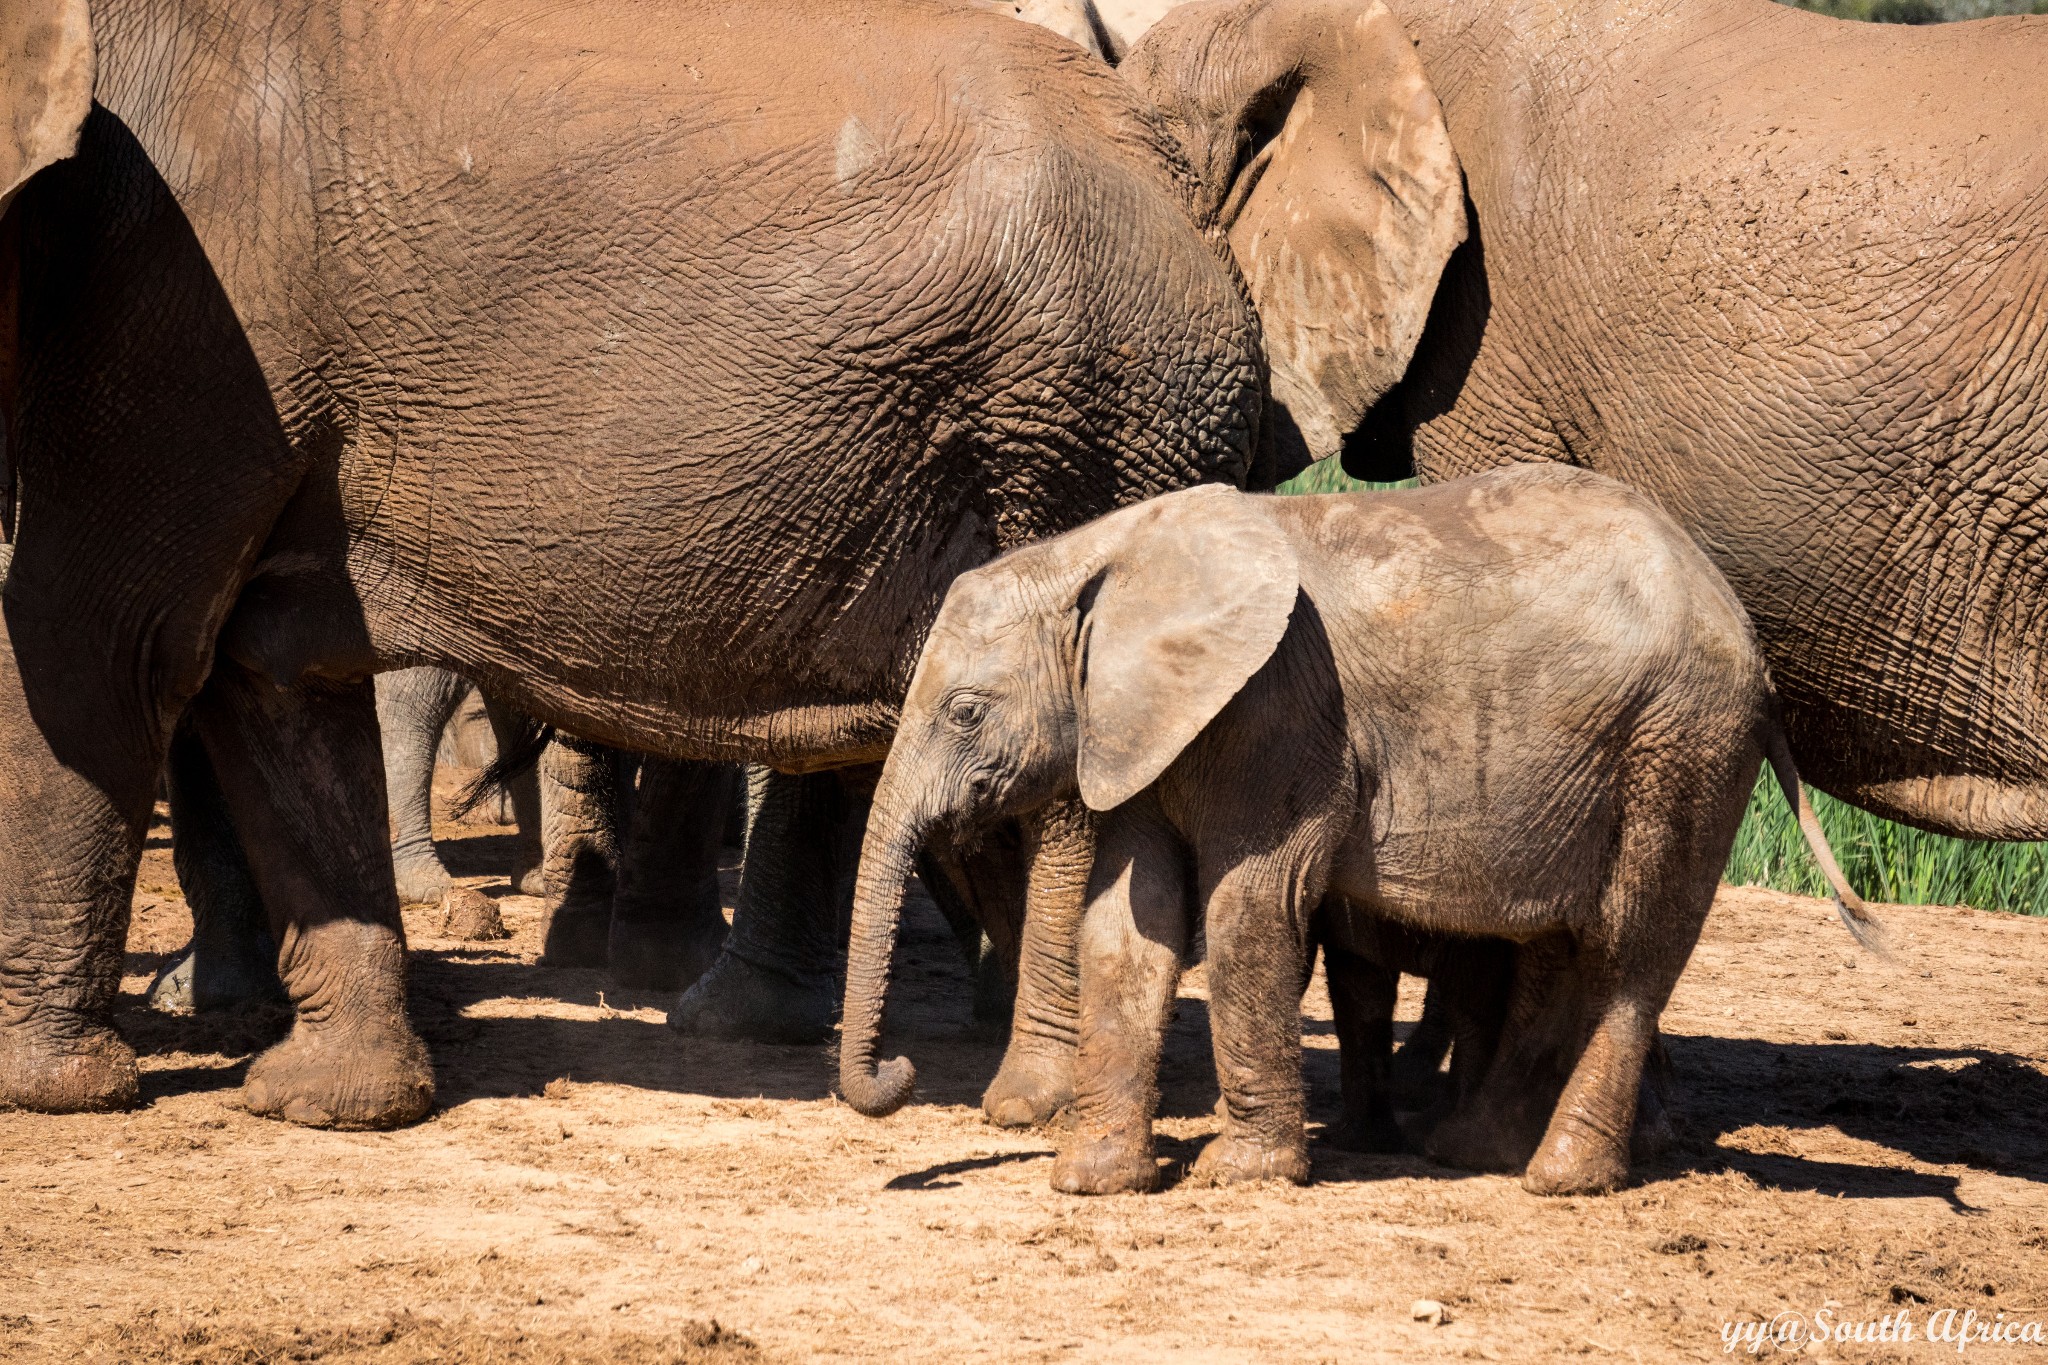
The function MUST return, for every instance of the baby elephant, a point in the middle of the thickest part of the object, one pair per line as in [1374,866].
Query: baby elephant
[1522,705]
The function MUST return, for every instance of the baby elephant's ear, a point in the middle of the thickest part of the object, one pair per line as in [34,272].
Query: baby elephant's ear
[46,75]
[1197,592]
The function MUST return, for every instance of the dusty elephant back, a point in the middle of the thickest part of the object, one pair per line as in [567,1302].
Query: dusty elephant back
[1511,647]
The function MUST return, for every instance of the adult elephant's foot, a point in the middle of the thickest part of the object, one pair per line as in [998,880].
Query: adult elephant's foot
[422,880]
[365,1076]
[657,955]
[1106,1163]
[1576,1159]
[1035,1083]
[578,934]
[87,1071]
[738,1000]
[1230,1159]
[217,977]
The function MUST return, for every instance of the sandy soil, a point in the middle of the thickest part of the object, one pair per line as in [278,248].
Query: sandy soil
[1859,1136]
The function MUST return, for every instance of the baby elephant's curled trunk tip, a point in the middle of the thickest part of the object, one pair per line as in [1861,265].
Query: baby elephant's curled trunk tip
[881,1092]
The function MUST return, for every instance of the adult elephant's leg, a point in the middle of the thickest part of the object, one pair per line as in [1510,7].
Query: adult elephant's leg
[413,708]
[580,818]
[1037,1076]
[1414,1071]
[667,921]
[232,957]
[528,874]
[774,983]
[299,767]
[69,844]
[140,513]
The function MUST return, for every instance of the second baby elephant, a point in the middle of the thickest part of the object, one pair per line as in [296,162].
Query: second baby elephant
[1522,705]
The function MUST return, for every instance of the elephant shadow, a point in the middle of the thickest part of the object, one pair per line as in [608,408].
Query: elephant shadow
[1948,1106]
[1972,1107]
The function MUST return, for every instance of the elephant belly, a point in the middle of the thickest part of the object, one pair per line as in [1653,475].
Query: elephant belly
[1511,874]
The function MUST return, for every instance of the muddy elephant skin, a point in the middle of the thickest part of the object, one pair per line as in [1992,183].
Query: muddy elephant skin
[1521,705]
[654,366]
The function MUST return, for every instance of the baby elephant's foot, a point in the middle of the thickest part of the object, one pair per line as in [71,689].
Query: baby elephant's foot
[1231,1160]
[1106,1163]
[1576,1160]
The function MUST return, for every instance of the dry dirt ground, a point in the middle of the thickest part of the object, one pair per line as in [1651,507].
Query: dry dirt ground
[1861,1137]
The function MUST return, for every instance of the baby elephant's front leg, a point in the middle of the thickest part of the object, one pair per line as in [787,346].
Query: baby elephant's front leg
[1132,937]
[1257,952]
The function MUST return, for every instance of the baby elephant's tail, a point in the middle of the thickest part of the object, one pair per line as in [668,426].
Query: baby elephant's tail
[1868,930]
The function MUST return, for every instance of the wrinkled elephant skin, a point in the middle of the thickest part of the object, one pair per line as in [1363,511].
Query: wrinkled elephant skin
[1784,274]
[658,376]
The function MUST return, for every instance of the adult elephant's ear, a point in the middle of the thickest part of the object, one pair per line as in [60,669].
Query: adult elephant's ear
[46,73]
[1321,151]
[1194,595]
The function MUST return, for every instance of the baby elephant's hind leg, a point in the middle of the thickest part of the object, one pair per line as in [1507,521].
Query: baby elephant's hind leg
[1656,899]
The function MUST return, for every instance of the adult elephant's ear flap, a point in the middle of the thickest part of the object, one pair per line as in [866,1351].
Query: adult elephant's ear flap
[46,75]
[1195,593]
[1321,151]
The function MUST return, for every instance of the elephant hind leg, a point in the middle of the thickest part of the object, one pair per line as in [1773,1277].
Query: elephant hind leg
[667,922]
[1659,890]
[232,958]
[773,981]
[413,708]
[1362,997]
[298,767]
[582,789]
[528,874]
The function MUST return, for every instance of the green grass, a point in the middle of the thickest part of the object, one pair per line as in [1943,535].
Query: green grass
[1328,476]
[1884,861]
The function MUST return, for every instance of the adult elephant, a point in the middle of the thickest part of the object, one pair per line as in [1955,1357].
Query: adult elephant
[1784,273]
[656,366]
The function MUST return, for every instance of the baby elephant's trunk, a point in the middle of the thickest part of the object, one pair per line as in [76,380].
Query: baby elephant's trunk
[885,860]
[1868,930]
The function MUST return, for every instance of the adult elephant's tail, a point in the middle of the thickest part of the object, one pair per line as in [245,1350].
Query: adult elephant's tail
[1868,930]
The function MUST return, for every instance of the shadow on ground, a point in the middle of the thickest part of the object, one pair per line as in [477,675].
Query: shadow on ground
[1972,1107]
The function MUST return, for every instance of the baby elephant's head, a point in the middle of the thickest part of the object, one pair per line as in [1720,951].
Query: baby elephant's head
[1084,663]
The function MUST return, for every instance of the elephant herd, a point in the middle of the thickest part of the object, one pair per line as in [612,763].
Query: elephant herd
[691,379]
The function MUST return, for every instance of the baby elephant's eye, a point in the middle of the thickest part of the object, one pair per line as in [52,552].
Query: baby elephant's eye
[966,712]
